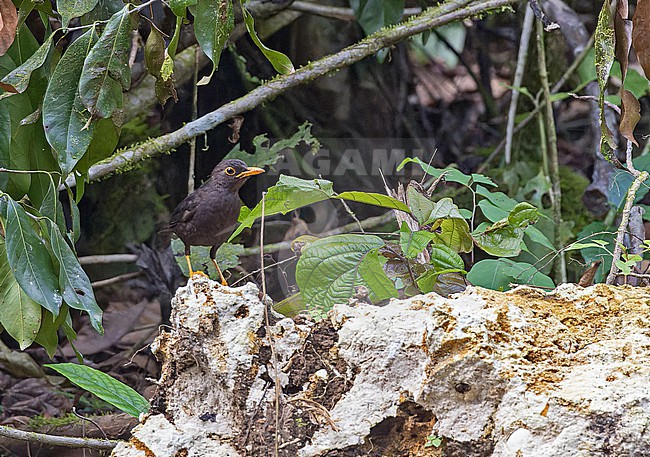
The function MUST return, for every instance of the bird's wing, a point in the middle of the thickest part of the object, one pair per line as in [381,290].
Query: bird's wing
[185,211]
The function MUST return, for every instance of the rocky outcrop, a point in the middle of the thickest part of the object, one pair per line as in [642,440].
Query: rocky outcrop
[484,373]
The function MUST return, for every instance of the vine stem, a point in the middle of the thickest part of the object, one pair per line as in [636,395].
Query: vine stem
[54,440]
[625,219]
[445,13]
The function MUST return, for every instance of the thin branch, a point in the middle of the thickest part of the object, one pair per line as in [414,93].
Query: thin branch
[108,258]
[54,440]
[625,218]
[116,279]
[195,114]
[526,32]
[554,167]
[336,12]
[433,17]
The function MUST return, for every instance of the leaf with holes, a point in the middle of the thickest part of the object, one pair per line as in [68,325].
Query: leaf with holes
[106,68]
[73,281]
[67,123]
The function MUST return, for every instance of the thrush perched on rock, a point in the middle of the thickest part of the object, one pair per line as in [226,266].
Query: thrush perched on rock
[208,215]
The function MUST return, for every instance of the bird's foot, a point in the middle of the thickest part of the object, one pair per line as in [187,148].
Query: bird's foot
[198,273]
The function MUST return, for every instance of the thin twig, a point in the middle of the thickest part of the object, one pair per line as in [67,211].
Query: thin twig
[195,98]
[526,32]
[625,218]
[54,440]
[433,17]
[108,258]
[337,12]
[116,279]
[554,167]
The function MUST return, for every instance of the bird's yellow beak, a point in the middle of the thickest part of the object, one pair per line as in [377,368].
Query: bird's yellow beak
[250,171]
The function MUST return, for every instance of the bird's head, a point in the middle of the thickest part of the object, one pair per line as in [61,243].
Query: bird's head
[233,173]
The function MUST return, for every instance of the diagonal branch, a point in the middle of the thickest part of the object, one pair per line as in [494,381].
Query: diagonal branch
[433,17]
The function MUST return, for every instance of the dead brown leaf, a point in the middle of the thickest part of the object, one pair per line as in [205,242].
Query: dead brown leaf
[641,34]
[8,24]
[630,115]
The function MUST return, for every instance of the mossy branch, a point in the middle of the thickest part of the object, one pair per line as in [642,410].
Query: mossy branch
[433,17]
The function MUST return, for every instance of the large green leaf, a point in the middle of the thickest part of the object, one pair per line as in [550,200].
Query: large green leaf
[372,15]
[371,270]
[504,237]
[330,269]
[106,68]
[77,291]
[499,274]
[445,258]
[213,23]
[372,198]
[28,257]
[48,334]
[18,79]
[67,123]
[105,387]
[69,9]
[453,233]
[51,206]
[19,314]
[288,194]
[280,62]
[443,209]
[421,206]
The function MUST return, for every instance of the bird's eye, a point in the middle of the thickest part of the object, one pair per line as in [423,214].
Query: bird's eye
[230,171]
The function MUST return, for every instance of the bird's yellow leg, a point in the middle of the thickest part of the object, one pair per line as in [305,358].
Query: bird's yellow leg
[223,280]
[189,267]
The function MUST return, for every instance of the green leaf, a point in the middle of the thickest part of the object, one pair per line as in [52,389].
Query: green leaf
[522,215]
[288,194]
[19,78]
[227,257]
[376,199]
[106,68]
[69,9]
[48,335]
[104,386]
[604,44]
[380,286]
[444,208]
[443,282]
[502,241]
[280,62]
[67,124]
[28,257]
[77,291]
[178,6]
[413,243]
[213,23]
[499,274]
[51,206]
[421,206]
[267,154]
[451,174]
[453,233]
[329,270]
[445,258]
[290,306]
[19,314]
[372,15]
[154,52]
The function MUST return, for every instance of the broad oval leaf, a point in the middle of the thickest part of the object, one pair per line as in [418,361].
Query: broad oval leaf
[213,23]
[104,386]
[453,233]
[371,270]
[69,9]
[73,281]
[67,123]
[19,314]
[444,208]
[28,257]
[288,194]
[641,34]
[421,206]
[498,274]
[372,15]
[445,258]
[330,269]
[106,68]
[630,115]
[376,199]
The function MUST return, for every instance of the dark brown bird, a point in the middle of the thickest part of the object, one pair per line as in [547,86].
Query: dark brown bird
[208,215]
